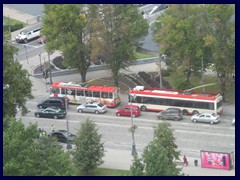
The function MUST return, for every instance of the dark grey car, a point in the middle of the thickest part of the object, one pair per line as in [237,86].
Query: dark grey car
[170,114]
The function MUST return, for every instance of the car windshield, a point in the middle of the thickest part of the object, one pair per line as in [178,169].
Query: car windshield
[100,105]
[214,115]
[23,33]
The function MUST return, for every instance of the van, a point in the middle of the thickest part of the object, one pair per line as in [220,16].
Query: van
[29,34]
[53,101]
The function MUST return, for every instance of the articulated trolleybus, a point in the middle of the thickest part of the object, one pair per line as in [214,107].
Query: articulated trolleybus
[159,99]
[82,93]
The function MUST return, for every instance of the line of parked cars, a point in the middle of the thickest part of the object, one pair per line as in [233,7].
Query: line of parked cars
[55,107]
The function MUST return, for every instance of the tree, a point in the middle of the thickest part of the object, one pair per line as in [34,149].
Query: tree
[180,35]
[137,166]
[67,29]
[90,150]
[120,31]
[26,155]
[220,38]
[159,155]
[16,83]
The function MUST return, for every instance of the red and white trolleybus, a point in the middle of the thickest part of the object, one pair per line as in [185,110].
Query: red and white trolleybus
[190,102]
[82,93]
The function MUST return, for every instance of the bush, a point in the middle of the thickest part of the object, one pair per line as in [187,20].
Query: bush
[13,28]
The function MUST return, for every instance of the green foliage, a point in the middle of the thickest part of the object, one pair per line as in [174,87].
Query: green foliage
[188,33]
[220,38]
[12,24]
[89,148]
[122,27]
[137,166]
[66,30]
[158,157]
[158,163]
[25,155]
[16,83]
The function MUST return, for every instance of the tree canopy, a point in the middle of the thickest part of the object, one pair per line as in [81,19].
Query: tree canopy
[159,155]
[86,32]
[89,148]
[17,86]
[26,155]
[190,33]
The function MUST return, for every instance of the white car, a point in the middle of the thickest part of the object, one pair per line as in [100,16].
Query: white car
[233,121]
[211,118]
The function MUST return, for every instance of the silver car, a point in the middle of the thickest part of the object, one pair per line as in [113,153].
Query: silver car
[206,117]
[92,108]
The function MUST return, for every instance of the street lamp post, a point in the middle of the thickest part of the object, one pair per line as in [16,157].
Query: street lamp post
[26,53]
[50,72]
[132,128]
[160,69]
[203,89]
[40,61]
[69,145]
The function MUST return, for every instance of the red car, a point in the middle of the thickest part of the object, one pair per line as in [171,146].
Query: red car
[41,40]
[126,111]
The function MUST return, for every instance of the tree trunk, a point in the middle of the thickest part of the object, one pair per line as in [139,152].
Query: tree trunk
[115,78]
[188,74]
[83,75]
[223,86]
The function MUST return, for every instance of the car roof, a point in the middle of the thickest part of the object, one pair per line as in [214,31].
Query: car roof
[129,106]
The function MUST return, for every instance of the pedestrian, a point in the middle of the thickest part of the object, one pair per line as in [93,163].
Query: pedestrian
[40,134]
[53,128]
[43,133]
[185,162]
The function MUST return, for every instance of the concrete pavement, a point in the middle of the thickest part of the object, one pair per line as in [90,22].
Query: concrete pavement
[119,159]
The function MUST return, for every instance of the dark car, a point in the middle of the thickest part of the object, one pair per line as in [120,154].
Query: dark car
[51,112]
[53,101]
[170,114]
[61,136]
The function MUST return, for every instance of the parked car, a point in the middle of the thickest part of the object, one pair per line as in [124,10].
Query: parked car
[61,136]
[51,112]
[29,34]
[206,117]
[41,40]
[94,107]
[170,114]
[233,122]
[126,111]
[53,101]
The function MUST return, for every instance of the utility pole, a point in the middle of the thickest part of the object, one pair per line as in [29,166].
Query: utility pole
[132,128]
[40,61]
[26,53]
[69,145]
[50,72]
[203,89]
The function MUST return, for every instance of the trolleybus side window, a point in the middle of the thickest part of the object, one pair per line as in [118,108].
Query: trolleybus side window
[80,93]
[88,93]
[104,95]
[96,94]
[55,90]
[63,91]
[110,96]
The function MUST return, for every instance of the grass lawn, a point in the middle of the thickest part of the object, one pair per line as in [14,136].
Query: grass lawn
[106,172]
[7,20]
[139,55]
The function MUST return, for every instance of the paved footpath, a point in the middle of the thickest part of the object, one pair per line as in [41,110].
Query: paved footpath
[119,159]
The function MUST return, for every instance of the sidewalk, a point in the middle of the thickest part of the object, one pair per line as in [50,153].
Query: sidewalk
[122,159]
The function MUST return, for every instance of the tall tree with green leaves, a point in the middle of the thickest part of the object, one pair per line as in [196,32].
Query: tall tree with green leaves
[26,155]
[121,29]
[137,166]
[17,86]
[89,148]
[159,155]
[179,32]
[67,29]
[220,38]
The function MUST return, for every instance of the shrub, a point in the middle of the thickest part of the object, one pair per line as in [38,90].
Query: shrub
[58,62]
